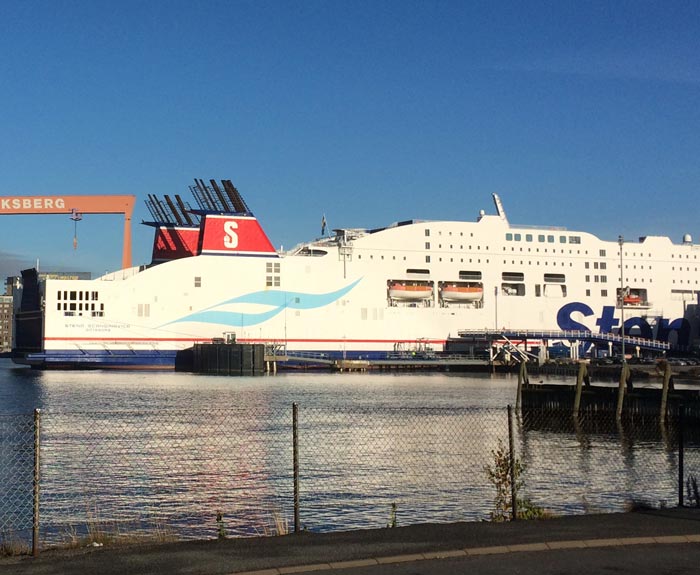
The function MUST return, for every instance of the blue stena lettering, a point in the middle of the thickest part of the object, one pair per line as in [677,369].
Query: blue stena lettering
[564,316]
[637,326]
[607,319]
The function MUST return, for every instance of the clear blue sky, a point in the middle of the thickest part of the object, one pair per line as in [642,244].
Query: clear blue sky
[579,114]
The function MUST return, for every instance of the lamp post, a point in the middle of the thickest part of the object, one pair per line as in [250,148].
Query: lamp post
[621,241]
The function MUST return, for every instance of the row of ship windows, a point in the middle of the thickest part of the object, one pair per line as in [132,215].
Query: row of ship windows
[603,293]
[77,308]
[474,275]
[596,265]
[550,239]
[427,233]
[77,295]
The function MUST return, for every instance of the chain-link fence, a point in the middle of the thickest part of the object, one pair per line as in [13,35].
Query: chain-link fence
[193,474]
[597,463]
[17,466]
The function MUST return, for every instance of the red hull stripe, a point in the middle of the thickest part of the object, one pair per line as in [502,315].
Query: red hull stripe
[247,340]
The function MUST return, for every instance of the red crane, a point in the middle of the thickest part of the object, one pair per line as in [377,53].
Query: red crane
[75,206]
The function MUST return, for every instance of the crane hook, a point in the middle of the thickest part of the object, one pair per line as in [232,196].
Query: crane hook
[76,217]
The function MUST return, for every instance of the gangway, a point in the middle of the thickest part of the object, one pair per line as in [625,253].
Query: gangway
[568,335]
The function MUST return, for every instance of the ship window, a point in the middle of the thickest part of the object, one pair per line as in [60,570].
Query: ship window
[58,306]
[73,296]
[59,295]
[555,278]
[509,237]
[277,281]
[550,239]
[427,245]
[604,292]
[518,237]
[588,293]
[540,238]
[595,265]
[538,290]
[554,291]
[604,279]
[470,275]
[72,306]
[587,265]
[574,239]
[513,276]
[197,281]
[602,253]
[562,239]
[418,271]
[268,281]
[603,265]
[94,296]
[427,259]
[427,233]
[513,289]
[528,237]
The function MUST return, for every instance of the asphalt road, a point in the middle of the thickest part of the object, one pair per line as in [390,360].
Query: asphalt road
[661,541]
[636,560]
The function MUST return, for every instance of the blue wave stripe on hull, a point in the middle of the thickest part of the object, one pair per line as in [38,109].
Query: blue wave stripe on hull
[279,300]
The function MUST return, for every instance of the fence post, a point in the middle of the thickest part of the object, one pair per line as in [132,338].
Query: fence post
[35,482]
[295,442]
[681,471]
[511,464]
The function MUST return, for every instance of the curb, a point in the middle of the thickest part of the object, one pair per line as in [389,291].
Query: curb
[478,551]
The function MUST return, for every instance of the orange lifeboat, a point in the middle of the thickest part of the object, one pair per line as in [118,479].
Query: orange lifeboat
[410,291]
[632,300]
[457,292]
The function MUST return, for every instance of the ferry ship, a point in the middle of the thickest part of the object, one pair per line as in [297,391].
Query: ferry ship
[352,293]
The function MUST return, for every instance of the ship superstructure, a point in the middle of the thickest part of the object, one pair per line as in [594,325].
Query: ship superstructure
[357,293]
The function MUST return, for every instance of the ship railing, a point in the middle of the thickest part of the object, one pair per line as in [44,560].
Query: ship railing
[570,335]
[120,274]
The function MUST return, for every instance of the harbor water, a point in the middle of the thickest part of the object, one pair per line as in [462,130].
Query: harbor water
[203,454]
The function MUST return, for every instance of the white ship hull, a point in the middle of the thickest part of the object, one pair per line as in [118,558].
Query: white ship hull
[337,295]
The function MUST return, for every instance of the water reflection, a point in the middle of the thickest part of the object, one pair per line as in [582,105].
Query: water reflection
[135,451]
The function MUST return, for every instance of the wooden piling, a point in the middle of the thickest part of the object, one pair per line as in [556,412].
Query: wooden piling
[522,379]
[624,376]
[664,392]
[580,378]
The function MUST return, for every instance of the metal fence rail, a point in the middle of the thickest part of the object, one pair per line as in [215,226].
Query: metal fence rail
[193,474]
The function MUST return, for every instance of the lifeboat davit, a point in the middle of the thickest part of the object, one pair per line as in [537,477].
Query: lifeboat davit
[410,291]
[456,292]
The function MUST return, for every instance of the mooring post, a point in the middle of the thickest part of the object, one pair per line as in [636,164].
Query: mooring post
[522,379]
[295,448]
[35,483]
[681,471]
[664,393]
[582,373]
[511,464]
[624,374]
